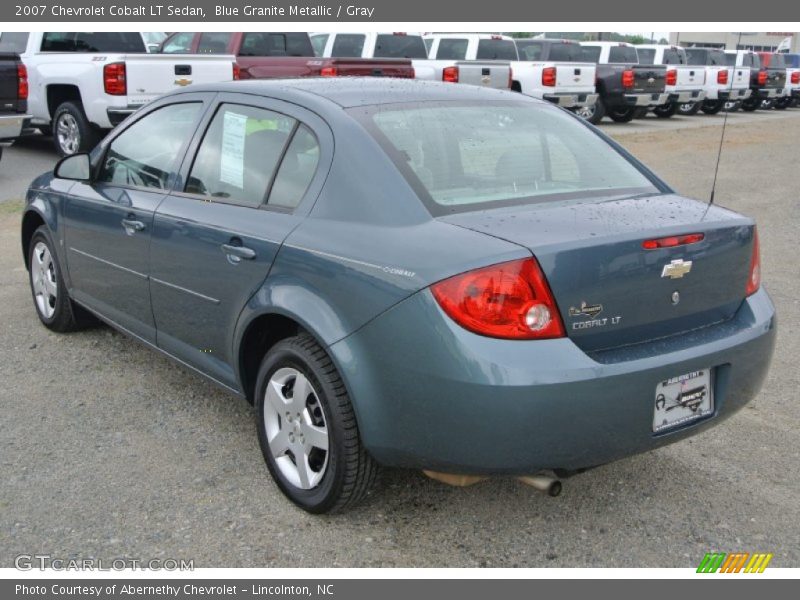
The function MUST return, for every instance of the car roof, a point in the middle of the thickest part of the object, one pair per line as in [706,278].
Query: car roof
[349,92]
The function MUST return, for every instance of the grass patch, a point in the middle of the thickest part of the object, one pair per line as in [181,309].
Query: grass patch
[11,207]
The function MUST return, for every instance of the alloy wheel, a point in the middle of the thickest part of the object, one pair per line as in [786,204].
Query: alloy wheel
[43,277]
[68,134]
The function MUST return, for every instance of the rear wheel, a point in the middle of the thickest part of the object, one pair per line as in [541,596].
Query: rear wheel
[732,105]
[72,131]
[712,107]
[768,104]
[622,115]
[307,429]
[594,113]
[688,108]
[751,104]
[782,103]
[665,111]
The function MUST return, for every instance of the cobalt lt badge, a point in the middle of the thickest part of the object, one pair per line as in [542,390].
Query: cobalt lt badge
[676,268]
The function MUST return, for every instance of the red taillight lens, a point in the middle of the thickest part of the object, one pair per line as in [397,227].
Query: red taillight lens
[114,81]
[672,77]
[722,77]
[511,300]
[549,76]
[329,72]
[22,82]
[627,78]
[754,278]
[762,78]
[450,74]
[796,77]
[237,72]
[673,240]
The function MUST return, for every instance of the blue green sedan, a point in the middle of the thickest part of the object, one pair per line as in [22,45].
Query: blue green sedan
[407,274]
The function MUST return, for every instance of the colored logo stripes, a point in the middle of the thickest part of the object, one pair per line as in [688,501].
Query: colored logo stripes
[737,562]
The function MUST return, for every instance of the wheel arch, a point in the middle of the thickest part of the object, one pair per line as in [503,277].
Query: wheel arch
[59,93]
[33,218]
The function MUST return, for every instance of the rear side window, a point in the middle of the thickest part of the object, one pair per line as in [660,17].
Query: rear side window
[13,41]
[590,53]
[647,56]
[399,46]
[180,43]
[297,169]
[276,44]
[239,154]
[452,49]
[93,41]
[348,45]
[496,50]
[622,54]
[213,42]
[145,153]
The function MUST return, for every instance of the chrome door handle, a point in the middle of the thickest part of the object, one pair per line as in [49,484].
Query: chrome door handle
[236,253]
[132,226]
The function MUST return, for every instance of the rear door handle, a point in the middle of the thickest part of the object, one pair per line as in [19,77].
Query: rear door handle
[237,253]
[132,226]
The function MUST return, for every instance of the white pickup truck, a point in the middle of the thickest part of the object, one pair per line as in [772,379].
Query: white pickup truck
[458,66]
[684,83]
[84,83]
[723,84]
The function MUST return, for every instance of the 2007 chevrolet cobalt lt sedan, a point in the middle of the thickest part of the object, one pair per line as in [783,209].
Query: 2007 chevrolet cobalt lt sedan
[409,274]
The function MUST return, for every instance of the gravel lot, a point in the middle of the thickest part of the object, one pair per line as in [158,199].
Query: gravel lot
[108,450]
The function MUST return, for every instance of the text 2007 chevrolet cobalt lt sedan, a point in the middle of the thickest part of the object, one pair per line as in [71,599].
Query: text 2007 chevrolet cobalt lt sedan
[409,274]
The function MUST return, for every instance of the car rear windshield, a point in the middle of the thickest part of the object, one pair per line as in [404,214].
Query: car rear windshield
[565,53]
[13,41]
[452,49]
[622,54]
[470,156]
[777,62]
[703,56]
[276,44]
[496,50]
[400,46]
[96,41]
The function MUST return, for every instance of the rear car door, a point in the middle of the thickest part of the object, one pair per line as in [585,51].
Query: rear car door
[248,180]
[108,221]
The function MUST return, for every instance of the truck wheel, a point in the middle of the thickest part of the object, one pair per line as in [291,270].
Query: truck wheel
[307,429]
[665,111]
[732,105]
[751,104]
[594,113]
[712,107]
[768,104]
[72,131]
[782,103]
[641,112]
[622,115]
[688,108]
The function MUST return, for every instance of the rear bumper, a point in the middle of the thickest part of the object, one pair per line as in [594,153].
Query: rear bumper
[571,100]
[429,394]
[684,96]
[768,93]
[656,99]
[11,127]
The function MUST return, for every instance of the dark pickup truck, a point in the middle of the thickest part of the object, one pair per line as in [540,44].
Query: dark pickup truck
[13,98]
[268,55]
[768,82]
[625,87]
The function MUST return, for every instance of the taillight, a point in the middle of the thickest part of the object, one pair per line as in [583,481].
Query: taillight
[329,72]
[450,74]
[754,278]
[762,78]
[549,76]
[722,77]
[673,240]
[22,82]
[237,72]
[672,77]
[114,81]
[796,77]
[627,78]
[510,300]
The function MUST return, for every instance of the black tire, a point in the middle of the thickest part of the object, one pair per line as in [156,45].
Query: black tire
[731,106]
[751,104]
[689,108]
[712,107]
[782,103]
[641,112]
[66,315]
[85,133]
[622,115]
[349,471]
[594,114]
[768,104]
[665,111]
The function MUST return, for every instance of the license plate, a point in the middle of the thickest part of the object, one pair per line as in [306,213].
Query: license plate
[683,399]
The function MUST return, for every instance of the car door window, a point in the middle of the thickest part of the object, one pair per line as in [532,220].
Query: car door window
[144,154]
[297,169]
[239,154]
[180,43]
[213,42]
[348,45]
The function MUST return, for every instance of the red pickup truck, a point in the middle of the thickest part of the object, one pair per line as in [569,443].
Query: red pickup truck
[266,55]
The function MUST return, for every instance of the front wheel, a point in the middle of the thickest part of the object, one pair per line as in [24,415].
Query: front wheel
[665,111]
[72,131]
[732,105]
[307,429]
[622,115]
[768,104]
[688,108]
[594,113]
[712,107]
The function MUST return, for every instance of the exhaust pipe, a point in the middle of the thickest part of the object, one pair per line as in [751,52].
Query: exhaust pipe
[544,483]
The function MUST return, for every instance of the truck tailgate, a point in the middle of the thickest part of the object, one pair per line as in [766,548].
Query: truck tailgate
[739,78]
[487,73]
[649,78]
[575,77]
[690,77]
[150,75]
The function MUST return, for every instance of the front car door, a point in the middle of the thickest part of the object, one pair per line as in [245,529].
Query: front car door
[248,179]
[109,220]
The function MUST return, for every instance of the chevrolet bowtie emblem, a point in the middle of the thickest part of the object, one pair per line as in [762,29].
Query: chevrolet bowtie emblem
[183,81]
[676,268]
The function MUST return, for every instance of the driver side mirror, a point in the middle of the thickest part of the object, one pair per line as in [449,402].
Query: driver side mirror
[76,167]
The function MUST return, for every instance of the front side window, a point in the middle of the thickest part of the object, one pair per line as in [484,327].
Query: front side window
[145,154]
[239,154]
[180,43]
[348,45]
[468,157]
[212,42]
[452,49]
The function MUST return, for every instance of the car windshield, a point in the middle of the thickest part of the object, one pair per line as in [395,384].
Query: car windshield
[465,156]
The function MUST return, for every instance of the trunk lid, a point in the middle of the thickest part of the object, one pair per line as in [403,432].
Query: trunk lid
[610,290]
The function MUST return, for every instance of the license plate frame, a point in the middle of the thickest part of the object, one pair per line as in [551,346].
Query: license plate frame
[683,399]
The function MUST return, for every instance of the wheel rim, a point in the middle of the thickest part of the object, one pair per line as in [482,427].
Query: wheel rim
[687,107]
[67,133]
[585,112]
[296,430]
[43,279]
[730,105]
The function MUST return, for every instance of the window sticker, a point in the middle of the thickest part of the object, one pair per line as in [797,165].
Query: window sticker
[231,166]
